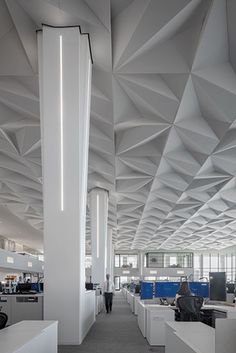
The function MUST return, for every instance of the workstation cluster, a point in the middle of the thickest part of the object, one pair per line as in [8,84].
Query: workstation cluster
[188,328]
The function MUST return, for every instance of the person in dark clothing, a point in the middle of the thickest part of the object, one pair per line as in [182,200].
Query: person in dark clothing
[183,291]
[108,292]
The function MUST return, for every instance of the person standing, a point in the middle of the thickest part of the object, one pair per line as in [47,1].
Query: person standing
[108,292]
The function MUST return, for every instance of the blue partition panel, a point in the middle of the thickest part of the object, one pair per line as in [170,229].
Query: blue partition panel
[166,289]
[200,288]
[146,290]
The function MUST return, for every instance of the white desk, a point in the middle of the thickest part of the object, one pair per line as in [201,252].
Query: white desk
[142,311]
[136,300]
[99,303]
[230,310]
[195,337]
[30,337]
[155,325]
[189,337]
[20,307]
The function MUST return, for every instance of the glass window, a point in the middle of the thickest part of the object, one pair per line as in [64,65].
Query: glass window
[222,263]
[123,279]
[145,260]
[175,260]
[129,261]
[229,267]
[214,262]
[117,260]
[197,261]
[88,261]
[150,278]
[126,260]
[197,267]
[233,267]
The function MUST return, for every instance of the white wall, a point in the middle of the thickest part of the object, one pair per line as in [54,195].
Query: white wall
[20,262]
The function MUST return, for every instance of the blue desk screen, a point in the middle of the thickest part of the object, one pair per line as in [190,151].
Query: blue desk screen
[146,290]
[166,289]
[200,288]
[169,289]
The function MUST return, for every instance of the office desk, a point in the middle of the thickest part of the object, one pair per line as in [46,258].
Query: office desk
[156,317]
[136,300]
[20,307]
[30,337]
[142,315]
[152,317]
[195,337]
[213,312]
[189,337]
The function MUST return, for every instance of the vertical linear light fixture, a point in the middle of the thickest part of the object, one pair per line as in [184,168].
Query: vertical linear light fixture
[98,235]
[61,128]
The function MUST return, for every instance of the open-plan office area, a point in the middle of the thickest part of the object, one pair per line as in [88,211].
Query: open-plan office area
[117,176]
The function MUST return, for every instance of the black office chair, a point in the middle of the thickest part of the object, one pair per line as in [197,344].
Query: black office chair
[189,308]
[3,320]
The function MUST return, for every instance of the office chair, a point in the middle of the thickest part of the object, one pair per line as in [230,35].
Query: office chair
[189,308]
[3,320]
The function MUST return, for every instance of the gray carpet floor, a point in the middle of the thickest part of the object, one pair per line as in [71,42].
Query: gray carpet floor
[117,332]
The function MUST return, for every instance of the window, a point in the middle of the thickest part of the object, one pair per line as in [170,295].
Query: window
[126,261]
[165,260]
[117,260]
[206,265]
[150,278]
[214,262]
[88,261]
[197,267]
[173,261]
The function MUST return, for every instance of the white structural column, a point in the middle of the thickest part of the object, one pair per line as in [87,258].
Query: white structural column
[140,264]
[99,214]
[110,253]
[65,91]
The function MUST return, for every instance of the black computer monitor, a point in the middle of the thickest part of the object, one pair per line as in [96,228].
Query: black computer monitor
[24,287]
[41,287]
[89,286]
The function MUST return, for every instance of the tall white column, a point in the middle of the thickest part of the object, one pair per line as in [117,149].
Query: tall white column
[98,203]
[140,264]
[65,91]
[110,253]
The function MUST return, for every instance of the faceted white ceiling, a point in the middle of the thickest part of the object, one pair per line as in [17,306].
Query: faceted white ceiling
[163,130]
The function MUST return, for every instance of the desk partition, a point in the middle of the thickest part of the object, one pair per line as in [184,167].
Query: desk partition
[169,289]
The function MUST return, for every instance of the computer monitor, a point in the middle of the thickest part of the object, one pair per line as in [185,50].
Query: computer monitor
[41,287]
[89,286]
[200,288]
[24,287]
[166,289]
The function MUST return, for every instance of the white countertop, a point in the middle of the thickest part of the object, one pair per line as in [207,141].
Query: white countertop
[224,308]
[16,336]
[198,336]
[22,295]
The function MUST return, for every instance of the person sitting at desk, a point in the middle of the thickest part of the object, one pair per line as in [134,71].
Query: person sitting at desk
[183,291]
